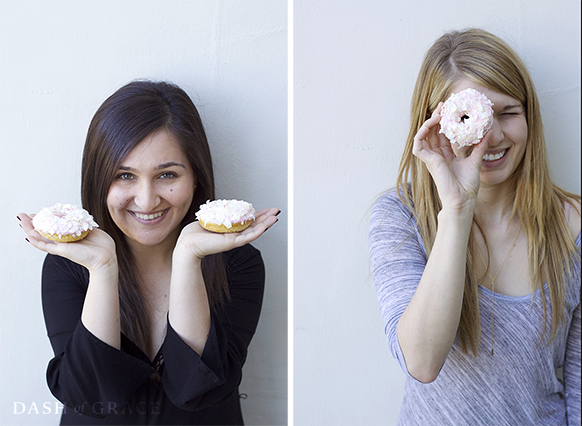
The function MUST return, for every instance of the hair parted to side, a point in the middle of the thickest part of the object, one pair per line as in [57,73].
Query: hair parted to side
[539,204]
[126,118]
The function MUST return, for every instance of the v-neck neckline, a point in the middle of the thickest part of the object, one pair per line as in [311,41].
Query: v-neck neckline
[133,349]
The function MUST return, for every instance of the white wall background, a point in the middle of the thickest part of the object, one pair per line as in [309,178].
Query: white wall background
[59,60]
[355,65]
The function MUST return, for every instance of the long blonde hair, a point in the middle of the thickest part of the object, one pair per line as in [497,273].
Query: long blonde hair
[487,60]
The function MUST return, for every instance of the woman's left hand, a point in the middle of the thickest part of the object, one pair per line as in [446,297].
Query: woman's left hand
[199,242]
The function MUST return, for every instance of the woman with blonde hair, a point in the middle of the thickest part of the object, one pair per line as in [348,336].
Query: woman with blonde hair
[476,254]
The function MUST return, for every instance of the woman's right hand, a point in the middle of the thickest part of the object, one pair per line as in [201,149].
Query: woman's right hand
[454,171]
[95,252]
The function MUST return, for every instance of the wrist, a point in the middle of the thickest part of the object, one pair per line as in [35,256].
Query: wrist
[106,269]
[460,211]
[457,218]
[183,254]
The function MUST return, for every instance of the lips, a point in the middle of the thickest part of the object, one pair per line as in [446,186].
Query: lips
[494,156]
[148,217]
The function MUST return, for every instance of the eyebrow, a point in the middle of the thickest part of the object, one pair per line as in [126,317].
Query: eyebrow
[511,107]
[160,167]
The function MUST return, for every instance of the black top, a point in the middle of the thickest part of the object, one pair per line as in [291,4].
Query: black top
[119,387]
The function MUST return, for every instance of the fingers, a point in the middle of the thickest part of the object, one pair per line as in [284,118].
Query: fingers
[255,231]
[42,244]
[264,220]
[463,152]
[33,237]
[427,137]
[267,222]
[201,242]
[28,227]
[38,241]
[265,213]
[23,218]
[479,150]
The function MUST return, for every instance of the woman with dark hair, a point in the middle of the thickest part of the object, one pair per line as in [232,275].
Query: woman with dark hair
[476,254]
[150,316]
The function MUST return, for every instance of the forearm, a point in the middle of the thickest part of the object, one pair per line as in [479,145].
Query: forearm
[100,313]
[189,310]
[428,326]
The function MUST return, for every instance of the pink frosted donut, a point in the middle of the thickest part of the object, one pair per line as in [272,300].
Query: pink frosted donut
[225,215]
[63,223]
[466,116]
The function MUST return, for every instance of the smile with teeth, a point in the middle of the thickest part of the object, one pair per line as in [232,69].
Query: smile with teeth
[493,157]
[149,216]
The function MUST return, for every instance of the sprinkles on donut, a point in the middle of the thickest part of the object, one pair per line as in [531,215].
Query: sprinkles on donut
[224,216]
[64,223]
[466,117]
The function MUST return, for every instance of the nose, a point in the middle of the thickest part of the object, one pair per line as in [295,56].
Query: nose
[495,135]
[146,197]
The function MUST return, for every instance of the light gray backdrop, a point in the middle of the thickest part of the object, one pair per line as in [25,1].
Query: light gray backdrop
[356,63]
[59,60]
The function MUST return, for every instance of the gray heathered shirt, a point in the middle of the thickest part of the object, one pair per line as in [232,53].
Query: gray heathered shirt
[518,385]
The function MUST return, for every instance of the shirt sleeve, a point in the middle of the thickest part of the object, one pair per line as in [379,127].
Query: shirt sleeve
[572,370]
[85,370]
[398,260]
[572,360]
[194,382]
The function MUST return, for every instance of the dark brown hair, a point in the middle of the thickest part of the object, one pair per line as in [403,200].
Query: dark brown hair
[125,119]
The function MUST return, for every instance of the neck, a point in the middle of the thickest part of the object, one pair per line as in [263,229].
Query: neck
[494,205]
[150,260]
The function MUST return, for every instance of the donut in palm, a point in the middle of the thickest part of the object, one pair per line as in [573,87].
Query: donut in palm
[225,216]
[63,223]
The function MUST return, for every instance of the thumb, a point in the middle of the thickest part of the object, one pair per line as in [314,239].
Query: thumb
[479,150]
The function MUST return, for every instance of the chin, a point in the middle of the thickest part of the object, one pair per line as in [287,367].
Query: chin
[497,178]
[154,240]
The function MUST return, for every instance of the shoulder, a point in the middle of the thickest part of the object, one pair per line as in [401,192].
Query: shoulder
[390,206]
[392,199]
[572,211]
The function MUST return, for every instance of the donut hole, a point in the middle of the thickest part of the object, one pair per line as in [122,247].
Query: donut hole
[464,117]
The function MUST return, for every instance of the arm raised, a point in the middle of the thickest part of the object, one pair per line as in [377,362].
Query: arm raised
[96,252]
[189,310]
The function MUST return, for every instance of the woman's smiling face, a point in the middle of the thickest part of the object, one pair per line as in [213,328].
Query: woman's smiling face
[152,191]
[507,138]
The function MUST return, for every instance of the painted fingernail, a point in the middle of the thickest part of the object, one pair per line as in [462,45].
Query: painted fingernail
[18,218]
[278,213]
[27,240]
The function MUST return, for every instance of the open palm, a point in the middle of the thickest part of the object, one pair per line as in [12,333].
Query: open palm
[93,252]
[200,242]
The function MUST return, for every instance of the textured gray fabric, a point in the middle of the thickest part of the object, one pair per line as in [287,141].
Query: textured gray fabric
[516,386]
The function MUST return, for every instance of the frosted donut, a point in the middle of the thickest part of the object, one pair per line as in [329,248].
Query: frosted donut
[63,223]
[226,215]
[466,116]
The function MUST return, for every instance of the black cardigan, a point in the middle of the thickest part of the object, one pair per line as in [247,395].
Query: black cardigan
[100,385]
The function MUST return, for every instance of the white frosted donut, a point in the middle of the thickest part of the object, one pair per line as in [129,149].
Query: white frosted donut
[63,223]
[225,215]
[466,116]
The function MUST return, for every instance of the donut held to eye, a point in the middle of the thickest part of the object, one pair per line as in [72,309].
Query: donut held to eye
[63,223]
[466,117]
[225,216]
